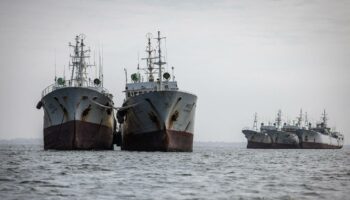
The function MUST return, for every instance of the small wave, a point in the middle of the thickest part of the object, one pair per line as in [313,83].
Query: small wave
[5,179]
[55,186]
[184,174]
[207,173]
[34,182]
[314,194]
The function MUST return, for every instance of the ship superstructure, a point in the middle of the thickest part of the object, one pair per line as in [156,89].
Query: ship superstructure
[78,112]
[159,117]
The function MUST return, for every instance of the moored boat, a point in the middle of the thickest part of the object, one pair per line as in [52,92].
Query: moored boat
[258,139]
[78,112]
[271,136]
[158,116]
[321,136]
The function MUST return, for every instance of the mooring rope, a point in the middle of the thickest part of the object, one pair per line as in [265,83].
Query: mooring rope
[111,107]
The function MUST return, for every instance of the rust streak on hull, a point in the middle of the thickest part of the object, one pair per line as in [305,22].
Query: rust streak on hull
[78,135]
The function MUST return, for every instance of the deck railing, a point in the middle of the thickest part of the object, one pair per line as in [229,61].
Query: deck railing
[73,83]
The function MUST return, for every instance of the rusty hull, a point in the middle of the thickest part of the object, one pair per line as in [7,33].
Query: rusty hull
[270,140]
[260,145]
[303,145]
[72,121]
[78,135]
[160,121]
[260,141]
[167,140]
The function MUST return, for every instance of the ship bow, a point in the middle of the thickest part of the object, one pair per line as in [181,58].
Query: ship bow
[160,121]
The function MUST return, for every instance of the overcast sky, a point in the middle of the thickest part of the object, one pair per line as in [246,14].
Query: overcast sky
[238,57]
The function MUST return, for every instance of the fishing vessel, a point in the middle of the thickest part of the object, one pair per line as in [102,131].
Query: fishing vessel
[159,116]
[284,137]
[321,136]
[78,112]
[258,139]
[272,136]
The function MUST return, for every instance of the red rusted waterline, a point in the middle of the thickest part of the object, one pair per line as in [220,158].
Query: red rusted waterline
[78,135]
[166,140]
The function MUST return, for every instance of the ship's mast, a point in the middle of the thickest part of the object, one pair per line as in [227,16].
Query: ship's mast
[159,63]
[81,65]
[306,120]
[101,67]
[74,57]
[300,118]
[99,64]
[279,119]
[126,76]
[149,58]
[78,63]
[324,117]
[255,124]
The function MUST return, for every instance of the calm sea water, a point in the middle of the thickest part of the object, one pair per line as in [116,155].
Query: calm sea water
[212,171]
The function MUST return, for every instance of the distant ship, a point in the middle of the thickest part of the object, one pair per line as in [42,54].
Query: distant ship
[159,117]
[320,137]
[271,136]
[284,137]
[293,135]
[258,139]
[78,113]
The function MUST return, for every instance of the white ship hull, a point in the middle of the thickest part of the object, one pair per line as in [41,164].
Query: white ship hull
[315,140]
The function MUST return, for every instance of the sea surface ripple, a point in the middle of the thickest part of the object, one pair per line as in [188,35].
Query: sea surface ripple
[211,171]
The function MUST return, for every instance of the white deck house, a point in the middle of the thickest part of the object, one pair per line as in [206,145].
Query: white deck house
[134,89]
